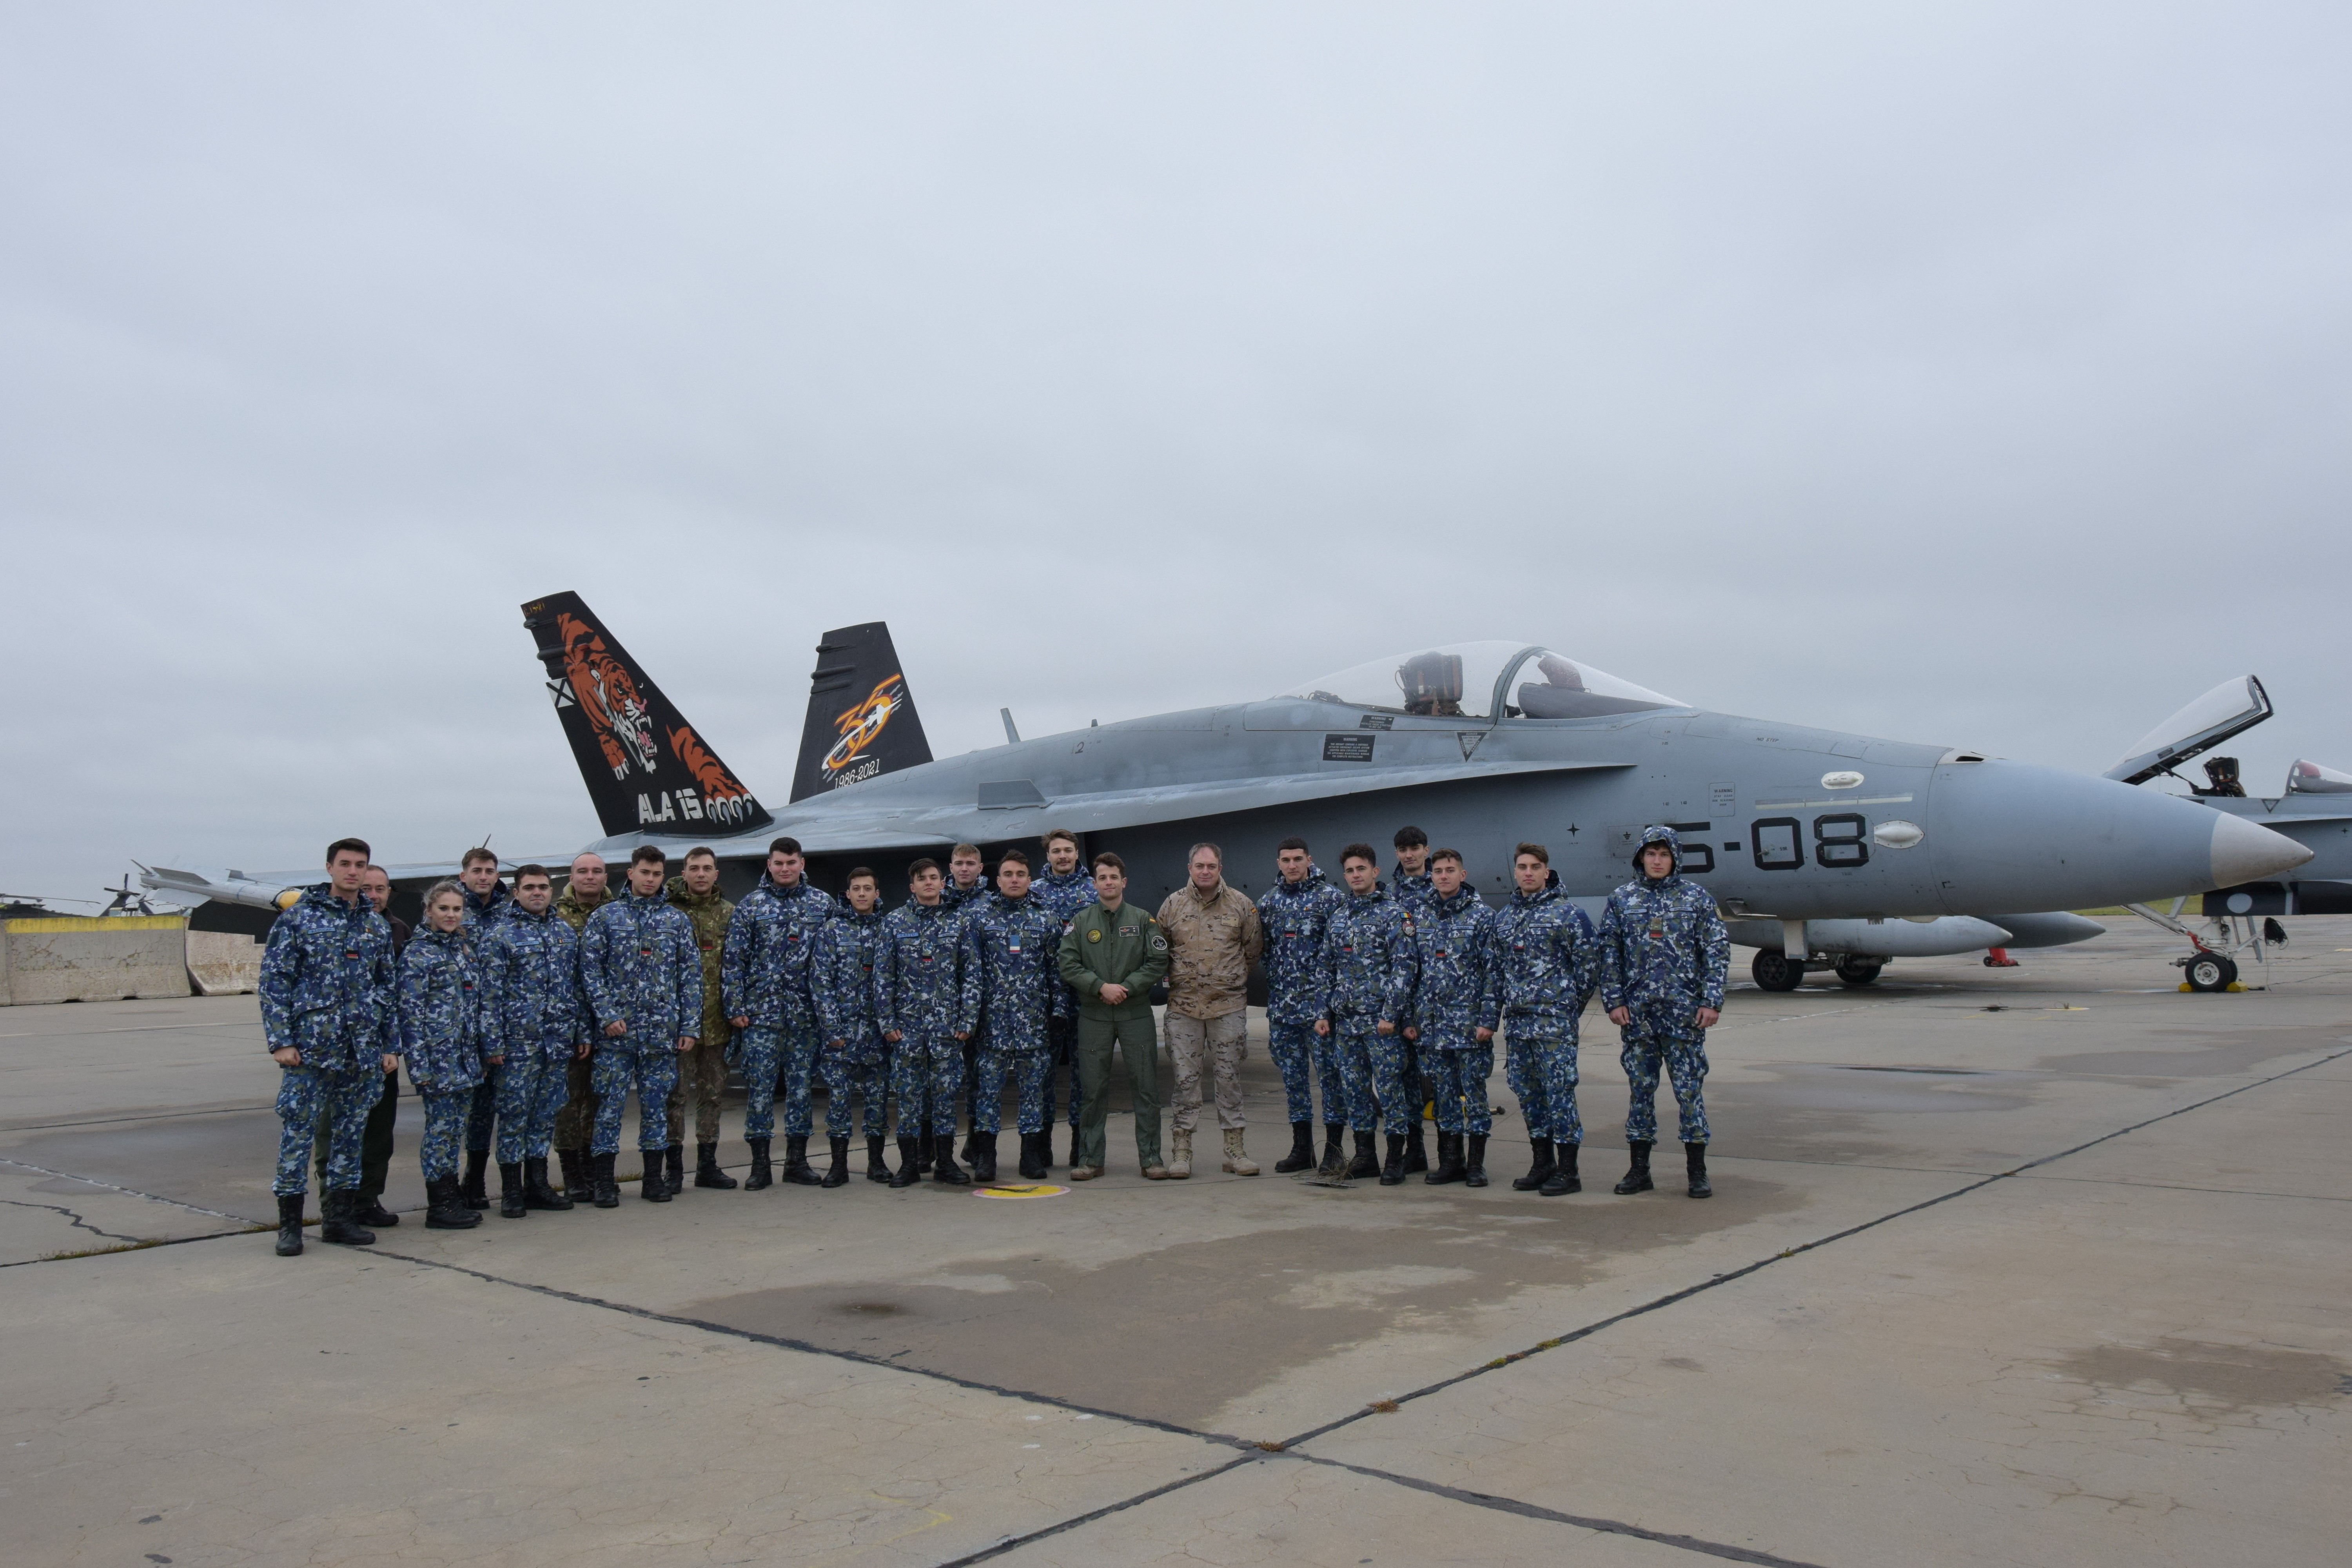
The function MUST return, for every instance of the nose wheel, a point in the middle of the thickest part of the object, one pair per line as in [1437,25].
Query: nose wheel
[2209,972]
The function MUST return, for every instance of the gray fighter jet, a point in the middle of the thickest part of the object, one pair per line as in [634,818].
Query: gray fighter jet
[1832,849]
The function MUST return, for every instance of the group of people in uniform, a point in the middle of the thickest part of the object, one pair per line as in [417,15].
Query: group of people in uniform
[526,1018]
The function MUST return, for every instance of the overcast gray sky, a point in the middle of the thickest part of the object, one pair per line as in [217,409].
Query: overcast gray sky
[1974,374]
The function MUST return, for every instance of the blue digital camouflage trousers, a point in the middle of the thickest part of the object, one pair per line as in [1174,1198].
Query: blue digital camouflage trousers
[1395,1084]
[926,1075]
[653,1073]
[445,1118]
[755,1053]
[345,1097]
[1296,1049]
[971,1049]
[1682,1049]
[794,1074]
[1353,1050]
[484,1111]
[531,1091]
[1032,1073]
[1543,1073]
[1456,1078]
[845,1076]
[1064,1033]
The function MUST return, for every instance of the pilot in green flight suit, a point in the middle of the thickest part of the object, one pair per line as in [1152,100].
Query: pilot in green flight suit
[1112,954]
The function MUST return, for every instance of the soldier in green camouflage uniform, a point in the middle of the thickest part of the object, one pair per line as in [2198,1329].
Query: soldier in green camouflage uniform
[702,1072]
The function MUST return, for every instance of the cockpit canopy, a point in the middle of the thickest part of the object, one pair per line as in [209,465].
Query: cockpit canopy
[1468,680]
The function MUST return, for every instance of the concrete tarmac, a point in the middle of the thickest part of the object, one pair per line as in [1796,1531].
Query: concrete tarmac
[2039,1265]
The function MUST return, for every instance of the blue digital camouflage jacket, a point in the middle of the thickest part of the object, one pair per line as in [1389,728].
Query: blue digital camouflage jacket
[1663,942]
[764,968]
[1547,963]
[917,978]
[327,983]
[1066,896]
[441,1007]
[1012,972]
[1410,892]
[639,962]
[961,898]
[1451,960]
[1366,968]
[483,912]
[530,972]
[841,984]
[1294,915]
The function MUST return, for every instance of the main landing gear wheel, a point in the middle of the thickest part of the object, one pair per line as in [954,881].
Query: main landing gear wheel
[1773,971]
[2210,972]
[1856,969]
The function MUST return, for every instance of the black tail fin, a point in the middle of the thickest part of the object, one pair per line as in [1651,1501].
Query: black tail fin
[861,718]
[647,769]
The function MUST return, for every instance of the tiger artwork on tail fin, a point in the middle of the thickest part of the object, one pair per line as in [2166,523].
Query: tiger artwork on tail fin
[607,693]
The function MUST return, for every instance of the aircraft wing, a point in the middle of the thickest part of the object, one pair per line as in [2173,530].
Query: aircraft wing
[1015,809]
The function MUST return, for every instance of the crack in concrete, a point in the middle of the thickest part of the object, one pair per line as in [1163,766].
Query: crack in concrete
[72,1218]
[134,1192]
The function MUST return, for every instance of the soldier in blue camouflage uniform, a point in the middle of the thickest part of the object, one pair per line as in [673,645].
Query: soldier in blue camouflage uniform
[327,1018]
[765,980]
[1365,972]
[965,890]
[538,1024]
[642,974]
[1545,965]
[1064,888]
[917,995]
[1665,953]
[1410,887]
[486,903]
[854,1058]
[442,1009]
[1454,1011]
[1293,914]
[1011,989]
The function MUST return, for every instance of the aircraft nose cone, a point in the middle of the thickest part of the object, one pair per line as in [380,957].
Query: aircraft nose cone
[2245,853]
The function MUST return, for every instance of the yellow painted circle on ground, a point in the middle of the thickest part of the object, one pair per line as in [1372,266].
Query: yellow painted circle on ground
[1038,1190]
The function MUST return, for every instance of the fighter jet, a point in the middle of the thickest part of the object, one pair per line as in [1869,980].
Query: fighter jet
[1832,849]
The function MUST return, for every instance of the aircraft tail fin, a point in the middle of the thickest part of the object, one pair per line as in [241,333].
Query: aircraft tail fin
[647,769]
[861,717]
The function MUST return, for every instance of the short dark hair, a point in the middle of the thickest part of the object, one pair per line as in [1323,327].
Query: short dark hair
[1538,851]
[1294,843]
[647,853]
[1407,838]
[339,845]
[865,871]
[478,852]
[1452,855]
[917,868]
[1363,852]
[703,849]
[1105,858]
[783,846]
[1017,857]
[533,870]
[1054,833]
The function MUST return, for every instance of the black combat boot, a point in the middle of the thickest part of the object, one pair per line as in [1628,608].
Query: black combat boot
[1539,1173]
[1637,1180]
[924,1152]
[1449,1167]
[1473,1163]
[510,1203]
[289,1224]
[536,1192]
[796,1166]
[576,1185]
[707,1173]
[1334,1165]
[910,1169]
[341,1222]
[1416,1152]
[674,1164]
[837,1174]
[944,1170]
[1367,1162]
[471,1192]
[983,1158]
[443,1211]
[1563,1178]
[759,1178]
[373,1212]
[1302,1150]
[1695,1158]
[653,1187]
[1032,1154]
[877,1169]
[599,1178]
[1392,1172]
[972,1146]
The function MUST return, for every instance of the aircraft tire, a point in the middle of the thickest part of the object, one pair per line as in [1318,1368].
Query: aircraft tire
[1857,969]
[2209,971]
[1773,971]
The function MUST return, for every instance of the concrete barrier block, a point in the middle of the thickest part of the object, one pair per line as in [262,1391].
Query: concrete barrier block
[70,959]
[225,963]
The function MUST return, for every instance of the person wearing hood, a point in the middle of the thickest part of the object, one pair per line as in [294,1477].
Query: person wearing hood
[1664,954]
[486,903]
[1453,1016]
[328,1020]
[1012,987]
[918,997]
[644,978]
[442,1010]
[1546,958]
[702,1072]
[764,982]
[583,894]
[1293,913]
[854,1059]
[1364,972]
[1064,888]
